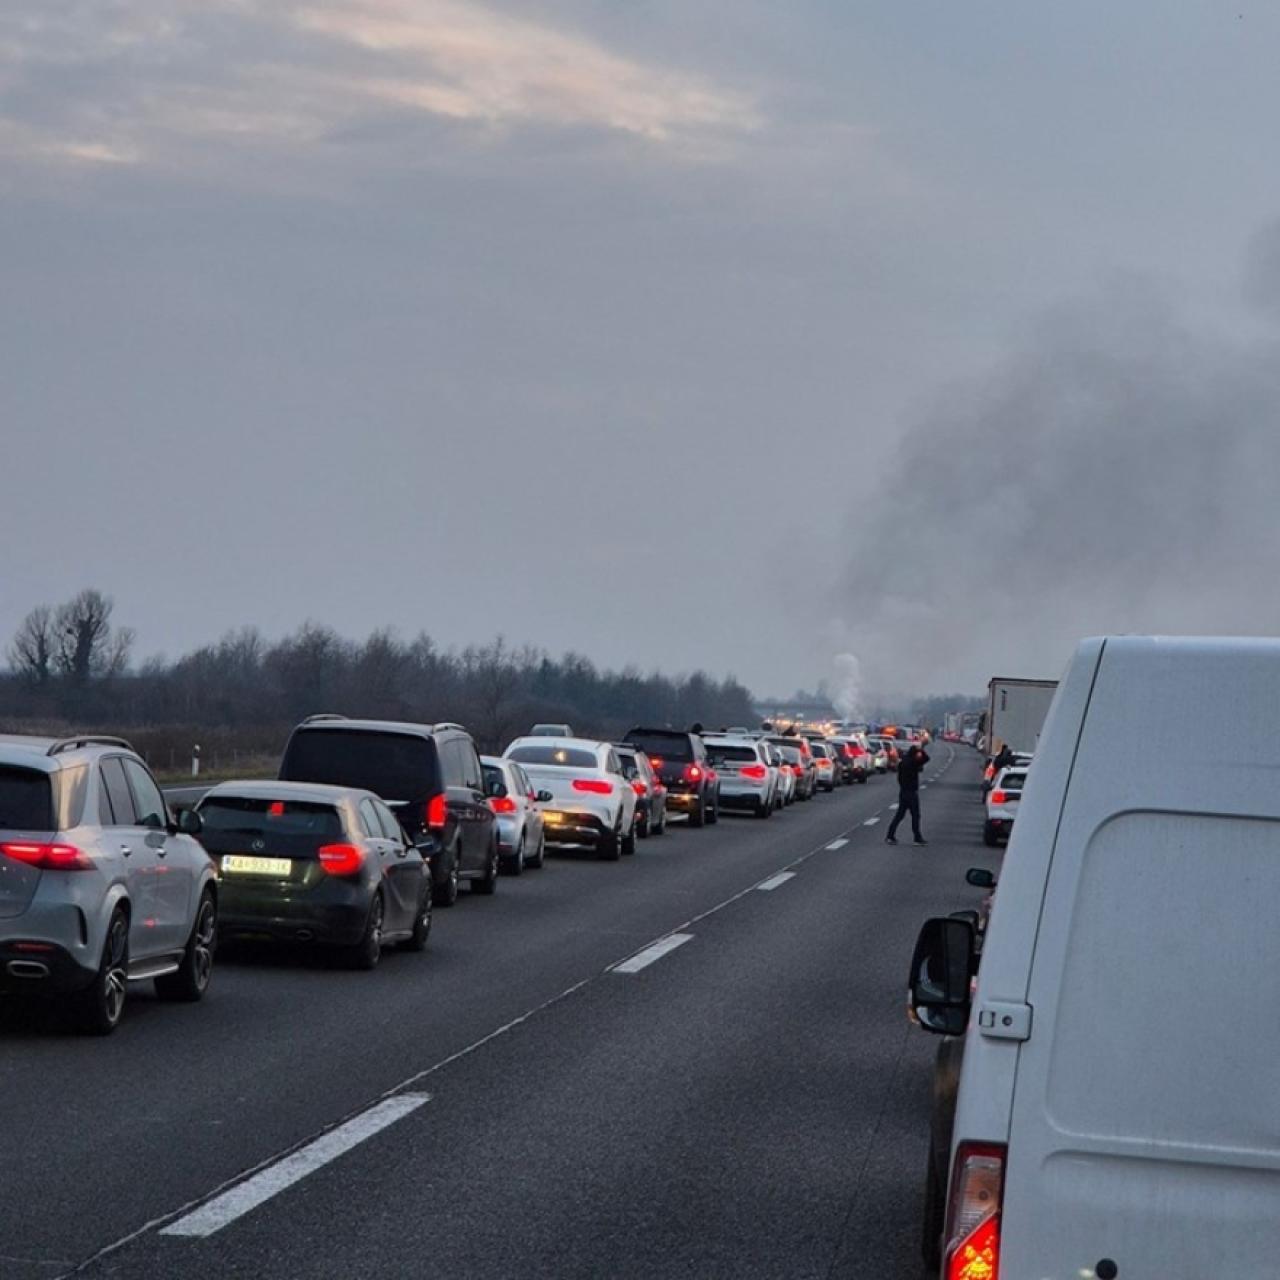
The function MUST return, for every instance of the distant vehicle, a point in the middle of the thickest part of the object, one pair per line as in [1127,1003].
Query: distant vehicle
[879,754]
[824,758]
[651,795]
[1002,806]
[591,802]
[747,779]
[514,800]
[550,731]
[84,908]
[307,863]
[1136,911]
[779,763]
[1016,711]
[804,765]
[430,776]
[855,758]
[680,760]
[797,768]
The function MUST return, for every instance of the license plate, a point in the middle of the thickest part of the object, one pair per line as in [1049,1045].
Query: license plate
[553,818]
[242,865]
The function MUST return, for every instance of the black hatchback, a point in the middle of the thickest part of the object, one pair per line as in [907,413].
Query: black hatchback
[315,864]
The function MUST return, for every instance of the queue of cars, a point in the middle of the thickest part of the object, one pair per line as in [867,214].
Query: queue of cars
[369,825]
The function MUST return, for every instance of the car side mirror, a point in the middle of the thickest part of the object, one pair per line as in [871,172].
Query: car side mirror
[980,878]
[544,796]
[942,969]
[189,822]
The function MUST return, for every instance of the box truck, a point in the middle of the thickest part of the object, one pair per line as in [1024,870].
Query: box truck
[1015,713]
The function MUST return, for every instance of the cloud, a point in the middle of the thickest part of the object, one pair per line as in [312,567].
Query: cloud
[94,84]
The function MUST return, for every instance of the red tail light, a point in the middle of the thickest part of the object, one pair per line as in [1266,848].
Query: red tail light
[502,804]
[655,763]
[341,859]
[999,797]
[595,786]
[989,772]
[47,857]
[855,751]
[973,1214]
[756,771]
[437,811]
[692,773]
[640,788]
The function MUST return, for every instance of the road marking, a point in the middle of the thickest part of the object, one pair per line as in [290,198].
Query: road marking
[836,844]
[248,1195]
[871,822]
[655,951]
[774,881]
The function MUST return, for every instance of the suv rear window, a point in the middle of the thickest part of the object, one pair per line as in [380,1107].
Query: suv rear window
[33,800]
[292,828]
[395,766]
[717,753]
[567,757]
[1013,781]
[666,746]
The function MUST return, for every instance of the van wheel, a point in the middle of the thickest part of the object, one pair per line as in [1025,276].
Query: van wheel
[99,1007]
[368,951]
[191,980]
[445,891]
[989,837]
[934,1212]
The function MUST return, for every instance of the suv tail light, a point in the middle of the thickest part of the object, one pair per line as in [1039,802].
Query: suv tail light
[692,773]
[437,810]
[341,859]
[595,786]
[640,788]
[502,804]
[973,1214]
[47,857]
[756,771]
[999,797]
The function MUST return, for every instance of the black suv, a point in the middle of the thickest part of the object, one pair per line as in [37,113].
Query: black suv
[680,761]
[429,774]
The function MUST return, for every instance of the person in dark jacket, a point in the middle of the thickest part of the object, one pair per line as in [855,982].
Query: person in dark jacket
[909,769]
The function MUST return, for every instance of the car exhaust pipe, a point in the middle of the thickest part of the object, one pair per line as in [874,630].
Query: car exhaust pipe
[27,969]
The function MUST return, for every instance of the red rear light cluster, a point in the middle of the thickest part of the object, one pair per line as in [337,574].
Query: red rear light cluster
[999,797]
[595,786]
[973,1214]
[640,788]
[756,771]
[341,859]
[46,856]
[502,804]
[437,811]
[692,773]
[655,763]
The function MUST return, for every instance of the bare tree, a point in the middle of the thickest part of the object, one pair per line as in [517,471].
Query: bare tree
[86,644]
[32,652]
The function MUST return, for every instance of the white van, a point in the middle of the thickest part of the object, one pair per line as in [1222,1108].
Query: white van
[1118,1113]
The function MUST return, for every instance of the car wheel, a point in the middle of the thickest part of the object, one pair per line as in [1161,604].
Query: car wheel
[539,859]
[628,844]
[642,827]
[514,865]
[609,847]
[488,883]
[101,1004]
[191,980]
[764,809]
[989,836]
[417,940]
[368,951]
[698,818]
[446,890]
[713,814]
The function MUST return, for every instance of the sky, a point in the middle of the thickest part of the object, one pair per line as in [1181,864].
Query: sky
[891,345]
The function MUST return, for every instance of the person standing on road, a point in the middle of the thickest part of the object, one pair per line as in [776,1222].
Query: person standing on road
[909,769]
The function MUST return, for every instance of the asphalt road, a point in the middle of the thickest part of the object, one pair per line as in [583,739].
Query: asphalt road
[751,1103]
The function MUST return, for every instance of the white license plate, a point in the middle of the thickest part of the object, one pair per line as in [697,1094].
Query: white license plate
[241,865]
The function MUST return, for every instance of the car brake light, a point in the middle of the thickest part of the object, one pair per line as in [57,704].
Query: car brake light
[47,857]
[755,771]
[341,859]
[692,773]
[655,762]
[437,810]
[973,1214]
[502,804]
[999,797]
[640,788]
[594,785]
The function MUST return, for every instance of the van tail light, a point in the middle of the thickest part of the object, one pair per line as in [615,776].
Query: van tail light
[640,788]
[437,810]
[756,771]
[692,773]
[47,857]
[999,797]
[341,859]
[973,1212]
[595,786]
[502,804]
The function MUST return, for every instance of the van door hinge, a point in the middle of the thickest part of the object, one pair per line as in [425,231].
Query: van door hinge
[1004,1020]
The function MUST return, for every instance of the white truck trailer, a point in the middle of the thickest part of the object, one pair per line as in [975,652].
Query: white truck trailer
[1015,713]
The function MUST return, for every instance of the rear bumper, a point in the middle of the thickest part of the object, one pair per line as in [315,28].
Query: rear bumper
[32,966]
[568,826]
[335,912]
[1000,826]
[683,801]
[744,794]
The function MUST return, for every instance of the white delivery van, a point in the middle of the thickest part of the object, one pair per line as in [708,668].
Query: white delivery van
[1118,1112]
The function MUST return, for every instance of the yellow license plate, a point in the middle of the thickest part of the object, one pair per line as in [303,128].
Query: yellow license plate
[242,865]
[553,818]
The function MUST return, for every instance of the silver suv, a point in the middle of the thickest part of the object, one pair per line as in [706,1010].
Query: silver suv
[99,886]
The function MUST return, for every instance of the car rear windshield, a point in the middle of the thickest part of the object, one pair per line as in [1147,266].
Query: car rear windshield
[495,782]
[566,757]
[291,828]
[33,800]
[395,766]
[666,746]
[1013,781]
[791,754]
[726,752]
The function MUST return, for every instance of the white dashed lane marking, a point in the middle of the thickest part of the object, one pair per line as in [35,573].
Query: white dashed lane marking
[655,951]
[774,881]
[838,844]
[871,822]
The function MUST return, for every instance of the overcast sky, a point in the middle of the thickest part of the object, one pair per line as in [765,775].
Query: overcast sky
[732,334]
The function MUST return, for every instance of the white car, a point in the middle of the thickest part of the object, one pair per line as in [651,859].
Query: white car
[591,802]
[747,778]
[514,800]
[1002,805]
[1116,1109]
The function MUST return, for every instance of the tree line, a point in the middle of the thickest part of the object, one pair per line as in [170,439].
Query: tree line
[69,665]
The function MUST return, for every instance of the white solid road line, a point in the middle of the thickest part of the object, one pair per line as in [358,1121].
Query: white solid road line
[275,1178]
[871,822]
[838,844]
[655,951]
[774,881]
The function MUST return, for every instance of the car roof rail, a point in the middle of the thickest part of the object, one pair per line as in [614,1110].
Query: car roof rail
[448,724]
[324,715]
[87,740]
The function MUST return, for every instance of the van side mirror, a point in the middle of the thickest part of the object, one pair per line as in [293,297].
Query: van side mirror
[942,969]
[189,822]
[980,878]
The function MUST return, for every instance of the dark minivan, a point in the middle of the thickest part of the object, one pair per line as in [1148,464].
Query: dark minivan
[429,774]
[680,761]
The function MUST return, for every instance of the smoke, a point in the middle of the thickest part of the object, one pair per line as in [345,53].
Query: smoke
[1119,472]
[846,686]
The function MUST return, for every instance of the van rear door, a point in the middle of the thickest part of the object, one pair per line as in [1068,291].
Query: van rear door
[1145,1126]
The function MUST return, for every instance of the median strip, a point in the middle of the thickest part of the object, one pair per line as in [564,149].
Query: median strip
[655,951]
[248,1195]
[774,881]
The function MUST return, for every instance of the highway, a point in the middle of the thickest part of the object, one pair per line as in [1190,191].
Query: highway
[746,1099]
